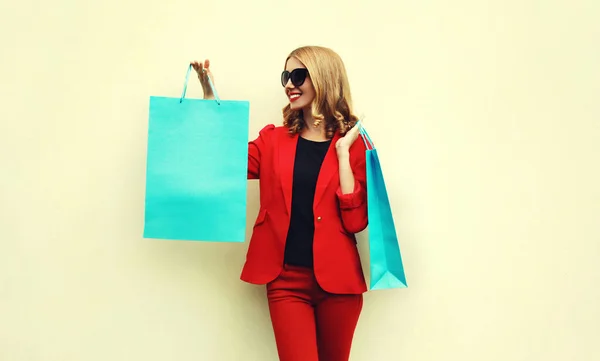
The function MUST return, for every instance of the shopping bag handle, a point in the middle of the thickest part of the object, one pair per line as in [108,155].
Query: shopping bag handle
[365,136]
[212,86]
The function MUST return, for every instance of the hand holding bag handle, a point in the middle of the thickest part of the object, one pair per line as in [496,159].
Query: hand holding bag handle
[212,86]
[365,137]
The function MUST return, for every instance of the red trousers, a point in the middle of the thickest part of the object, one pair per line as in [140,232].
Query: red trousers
[309,323]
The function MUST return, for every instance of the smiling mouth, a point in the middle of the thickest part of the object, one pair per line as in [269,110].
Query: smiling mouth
[294,97]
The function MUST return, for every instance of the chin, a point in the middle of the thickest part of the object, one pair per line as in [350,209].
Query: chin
[297,106]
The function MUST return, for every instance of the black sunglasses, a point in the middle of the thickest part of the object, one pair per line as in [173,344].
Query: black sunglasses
[297,76]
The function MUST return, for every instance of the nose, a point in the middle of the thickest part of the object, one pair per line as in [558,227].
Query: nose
[289,84]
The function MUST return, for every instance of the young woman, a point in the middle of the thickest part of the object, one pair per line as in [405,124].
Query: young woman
[312,202]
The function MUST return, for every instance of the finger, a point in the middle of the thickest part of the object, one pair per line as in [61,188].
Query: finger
[201,72]
[355,131]
[195,65]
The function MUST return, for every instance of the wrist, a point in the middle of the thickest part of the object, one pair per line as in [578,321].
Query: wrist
[343,154]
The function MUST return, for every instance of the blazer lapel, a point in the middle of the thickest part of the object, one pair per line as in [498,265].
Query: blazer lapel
[329,168]
[287,156]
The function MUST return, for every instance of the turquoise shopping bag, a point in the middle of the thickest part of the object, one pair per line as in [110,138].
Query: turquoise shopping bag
[196,170]
[386,266]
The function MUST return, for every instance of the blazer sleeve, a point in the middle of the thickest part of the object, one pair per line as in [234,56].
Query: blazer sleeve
[256,148]
[353,206]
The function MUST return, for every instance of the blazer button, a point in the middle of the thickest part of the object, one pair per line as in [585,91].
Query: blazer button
[319,219]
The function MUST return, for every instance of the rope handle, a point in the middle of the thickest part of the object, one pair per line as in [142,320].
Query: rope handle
[365,136]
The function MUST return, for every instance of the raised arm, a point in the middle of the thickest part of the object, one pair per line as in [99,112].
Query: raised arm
[257,146]
[352,192]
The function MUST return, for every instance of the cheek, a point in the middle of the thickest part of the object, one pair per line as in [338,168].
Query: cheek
[308,89]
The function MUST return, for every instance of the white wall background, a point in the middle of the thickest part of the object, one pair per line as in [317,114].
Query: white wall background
[492,165]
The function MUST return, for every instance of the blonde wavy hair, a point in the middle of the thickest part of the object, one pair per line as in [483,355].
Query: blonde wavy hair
[333,100]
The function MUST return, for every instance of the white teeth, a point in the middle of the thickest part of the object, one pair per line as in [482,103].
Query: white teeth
[294,96]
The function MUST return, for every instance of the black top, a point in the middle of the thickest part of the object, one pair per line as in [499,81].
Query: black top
[307,165]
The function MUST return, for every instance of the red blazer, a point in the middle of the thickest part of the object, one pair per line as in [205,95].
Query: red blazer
[337,265]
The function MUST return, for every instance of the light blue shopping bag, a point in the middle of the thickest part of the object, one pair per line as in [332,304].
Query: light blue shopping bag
[196,171]
[386,267]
